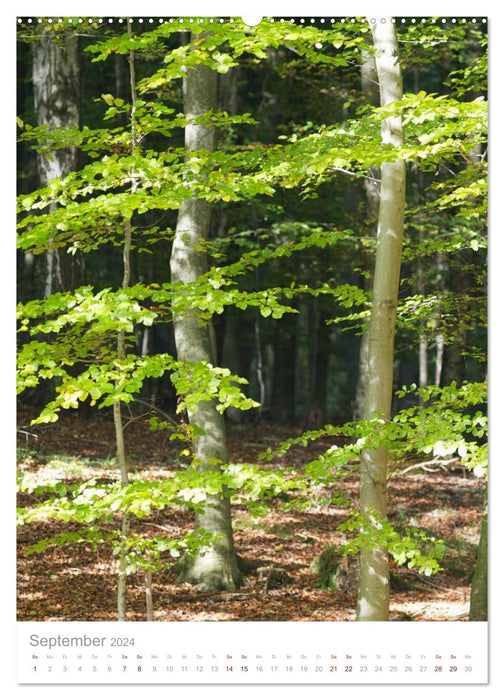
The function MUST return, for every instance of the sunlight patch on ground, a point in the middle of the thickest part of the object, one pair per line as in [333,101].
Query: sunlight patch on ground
[435,610]
[67,467]
[36,595]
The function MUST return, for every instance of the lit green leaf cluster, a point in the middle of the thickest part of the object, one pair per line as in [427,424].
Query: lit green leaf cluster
[446,422]
[449,423]
[98,505]
[414,548]
[138,553]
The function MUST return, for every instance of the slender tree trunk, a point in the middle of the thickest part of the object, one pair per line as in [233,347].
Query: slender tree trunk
[423,349]
[213,567]
[149,608]
[440,340]
[284,370]
[439,359]
[56,88]
[259,362]
[479,585]
[121,354]
[119,436]
[369,84]
[373,596]
[319,362]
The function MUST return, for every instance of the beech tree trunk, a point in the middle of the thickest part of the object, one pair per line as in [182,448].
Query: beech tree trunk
[373,595]
[213,567]
[369,85]
[56,86]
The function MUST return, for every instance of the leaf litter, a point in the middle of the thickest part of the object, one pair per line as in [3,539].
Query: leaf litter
[79,582]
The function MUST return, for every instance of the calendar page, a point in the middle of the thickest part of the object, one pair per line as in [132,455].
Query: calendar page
[252,350]
[251,652]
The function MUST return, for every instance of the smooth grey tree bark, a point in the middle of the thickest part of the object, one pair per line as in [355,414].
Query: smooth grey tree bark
[373,595]
[216,566]
[370,88]
[56,88]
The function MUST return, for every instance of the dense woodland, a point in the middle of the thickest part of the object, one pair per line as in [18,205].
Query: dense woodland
[252,312]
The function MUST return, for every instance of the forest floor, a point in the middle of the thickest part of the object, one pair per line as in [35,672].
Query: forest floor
[77,582]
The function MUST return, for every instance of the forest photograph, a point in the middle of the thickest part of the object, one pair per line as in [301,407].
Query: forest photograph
[251,319]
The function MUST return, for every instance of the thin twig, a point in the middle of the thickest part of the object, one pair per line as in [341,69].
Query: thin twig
[429,583]
[161,527]
[133,418]
[425,465]
[349,172]
[25,432]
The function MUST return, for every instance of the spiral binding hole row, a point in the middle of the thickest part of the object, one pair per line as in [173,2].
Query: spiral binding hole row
[231,20]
